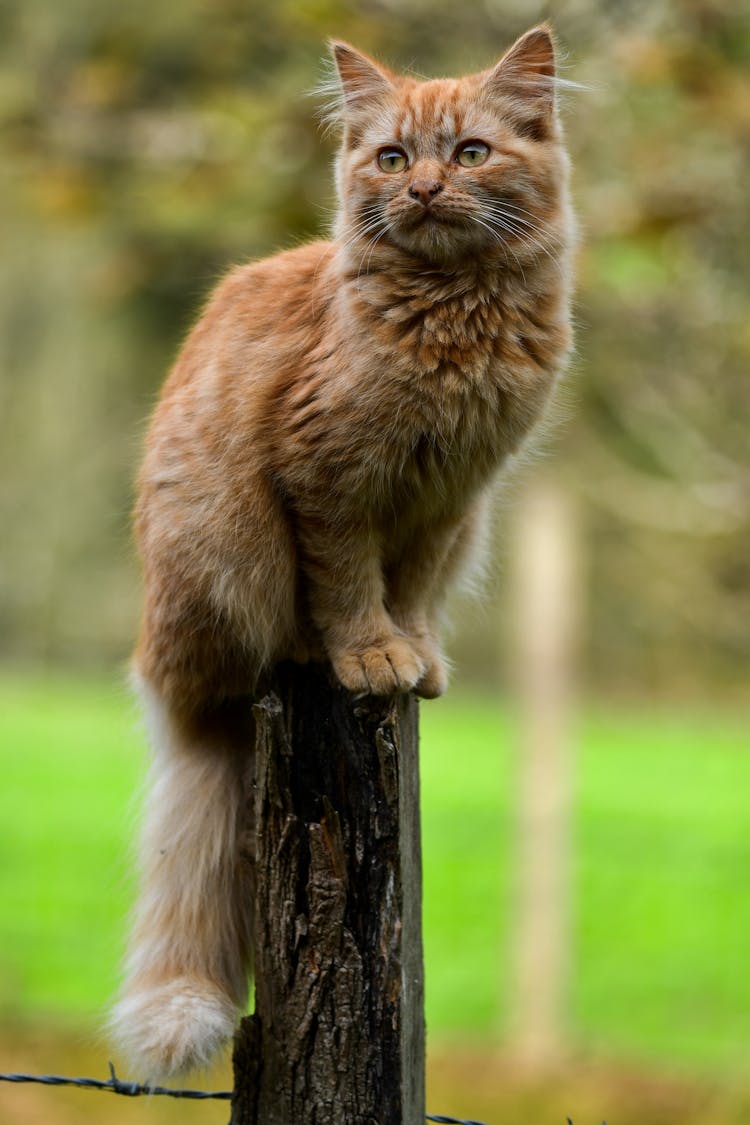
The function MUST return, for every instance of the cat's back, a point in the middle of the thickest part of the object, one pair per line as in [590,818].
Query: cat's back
[260,310]
[262,318]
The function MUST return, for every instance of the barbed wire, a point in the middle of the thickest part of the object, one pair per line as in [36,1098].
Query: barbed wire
[115,1085]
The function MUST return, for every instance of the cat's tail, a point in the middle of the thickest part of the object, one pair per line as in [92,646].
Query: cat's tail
[188,963]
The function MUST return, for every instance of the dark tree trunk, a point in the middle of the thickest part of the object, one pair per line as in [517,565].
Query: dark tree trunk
[337,1037]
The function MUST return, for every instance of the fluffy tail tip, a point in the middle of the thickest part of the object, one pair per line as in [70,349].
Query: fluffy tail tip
[169,1029]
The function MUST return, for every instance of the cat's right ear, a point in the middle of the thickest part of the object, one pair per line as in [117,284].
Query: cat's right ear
[364,84]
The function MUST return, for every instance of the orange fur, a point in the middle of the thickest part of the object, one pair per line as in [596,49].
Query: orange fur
[316,473]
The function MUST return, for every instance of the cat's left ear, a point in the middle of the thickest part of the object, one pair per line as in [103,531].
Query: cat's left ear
[525,78]
[364,83]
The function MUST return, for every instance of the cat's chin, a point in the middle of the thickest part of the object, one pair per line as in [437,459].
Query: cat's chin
[436,239]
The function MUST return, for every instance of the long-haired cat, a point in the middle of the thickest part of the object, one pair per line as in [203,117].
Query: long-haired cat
[317,470]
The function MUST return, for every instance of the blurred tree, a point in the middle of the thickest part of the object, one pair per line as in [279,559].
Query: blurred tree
[545,581]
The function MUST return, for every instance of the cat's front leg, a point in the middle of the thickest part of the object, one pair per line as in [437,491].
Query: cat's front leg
[368,651]
[434,559]
[412,584]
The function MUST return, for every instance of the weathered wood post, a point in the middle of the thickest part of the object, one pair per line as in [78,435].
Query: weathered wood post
[337,1036]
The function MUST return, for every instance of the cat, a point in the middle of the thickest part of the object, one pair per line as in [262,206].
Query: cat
[317,474]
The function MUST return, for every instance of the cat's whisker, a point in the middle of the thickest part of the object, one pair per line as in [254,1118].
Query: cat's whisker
[503,224]
[372,222]
[366,249]
[517,225]
[373,244]
[356,230]
[532,236]
[530,243]
[502,220]
[518,221]
[518,209]
[512,213]
[367,215]
[362,230]
[502,242]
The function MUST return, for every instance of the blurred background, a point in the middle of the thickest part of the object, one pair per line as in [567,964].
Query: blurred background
[587,779]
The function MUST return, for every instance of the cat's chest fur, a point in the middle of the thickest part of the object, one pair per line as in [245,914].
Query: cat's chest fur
[460,360]
[426,392]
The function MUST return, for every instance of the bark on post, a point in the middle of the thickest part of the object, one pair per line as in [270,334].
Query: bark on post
[337,1036]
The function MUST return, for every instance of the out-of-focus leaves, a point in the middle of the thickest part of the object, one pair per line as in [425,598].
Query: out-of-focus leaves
[144,148]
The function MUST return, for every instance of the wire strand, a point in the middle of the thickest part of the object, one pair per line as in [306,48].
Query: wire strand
[115,1085]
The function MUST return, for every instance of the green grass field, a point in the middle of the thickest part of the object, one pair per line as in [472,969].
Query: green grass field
[661,905]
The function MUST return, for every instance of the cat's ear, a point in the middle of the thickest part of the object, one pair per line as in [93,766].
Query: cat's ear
[525,78]
[364,83]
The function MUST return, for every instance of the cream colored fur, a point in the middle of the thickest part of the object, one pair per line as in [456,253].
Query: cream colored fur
[187,972]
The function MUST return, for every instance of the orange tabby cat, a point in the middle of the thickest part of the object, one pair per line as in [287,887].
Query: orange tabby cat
[317,470]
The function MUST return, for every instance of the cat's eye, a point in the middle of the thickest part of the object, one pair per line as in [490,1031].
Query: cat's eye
[392,160]
[472,154]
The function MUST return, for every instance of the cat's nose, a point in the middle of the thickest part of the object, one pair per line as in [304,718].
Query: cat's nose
[425,190]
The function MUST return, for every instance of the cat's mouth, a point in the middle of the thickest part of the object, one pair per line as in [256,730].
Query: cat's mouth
[431,230]
[429,217]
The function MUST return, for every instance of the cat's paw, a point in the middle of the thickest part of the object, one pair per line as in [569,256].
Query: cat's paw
[171,1028]
[434,680]
[384,669]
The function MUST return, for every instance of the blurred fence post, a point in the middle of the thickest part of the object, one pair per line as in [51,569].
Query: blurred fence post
[338,1029]
[546,589]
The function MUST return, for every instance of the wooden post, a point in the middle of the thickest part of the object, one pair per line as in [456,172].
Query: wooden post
[337,1036]
[547,589]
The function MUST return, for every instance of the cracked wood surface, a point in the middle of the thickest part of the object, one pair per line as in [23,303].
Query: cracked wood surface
[337,1037]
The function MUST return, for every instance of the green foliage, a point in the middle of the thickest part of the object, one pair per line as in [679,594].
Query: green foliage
[661,911]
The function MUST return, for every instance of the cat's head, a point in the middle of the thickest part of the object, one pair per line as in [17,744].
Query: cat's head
[450,169]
